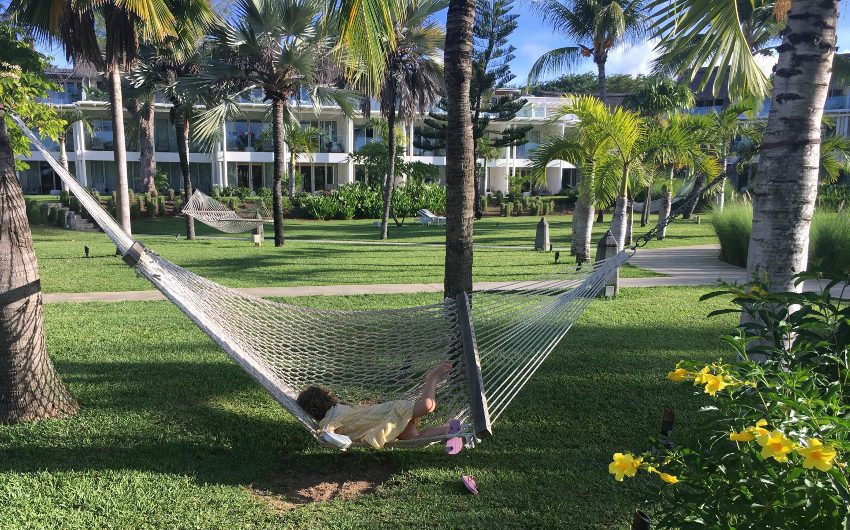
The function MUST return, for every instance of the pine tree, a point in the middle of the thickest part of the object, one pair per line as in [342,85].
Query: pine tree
[491,71]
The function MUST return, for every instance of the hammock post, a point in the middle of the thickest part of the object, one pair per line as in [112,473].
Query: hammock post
[606,249]
[477,400]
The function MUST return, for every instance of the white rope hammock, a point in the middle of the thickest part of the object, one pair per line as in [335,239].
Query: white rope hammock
[496,342]
[209,211]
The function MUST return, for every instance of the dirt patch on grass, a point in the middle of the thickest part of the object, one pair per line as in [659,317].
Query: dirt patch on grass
[343,479]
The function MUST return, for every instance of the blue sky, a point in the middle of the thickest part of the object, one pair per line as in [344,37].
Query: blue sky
[532,38]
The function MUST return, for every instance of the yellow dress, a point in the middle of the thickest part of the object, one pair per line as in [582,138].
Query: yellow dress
[373,424]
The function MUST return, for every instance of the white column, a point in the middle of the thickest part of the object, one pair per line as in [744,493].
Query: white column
[79,152]
[223,147]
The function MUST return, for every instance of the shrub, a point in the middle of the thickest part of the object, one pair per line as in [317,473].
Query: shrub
[549,207]
[171,194]
[33,209]
[74,204]
[63,197]
[177,206]
[135,211]
[773,440]
[160,203]
[733,227]
[499,197]
[834,198]
[130,194]
[61,217]
[507,209]
[150,206]
[829,244]
[51,216]
[242,192]
[483,203]
[216,192]
[518,207]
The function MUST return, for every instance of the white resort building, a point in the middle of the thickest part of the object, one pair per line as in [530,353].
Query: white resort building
[244,158]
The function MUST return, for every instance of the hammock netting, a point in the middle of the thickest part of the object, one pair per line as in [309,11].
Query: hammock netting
[376,355]
[209,211]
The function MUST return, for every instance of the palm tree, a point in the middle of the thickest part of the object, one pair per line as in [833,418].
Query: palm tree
[300,141]
[165,67]
[70,117]
[460,164]
[626,130]
[486,150]
[655,101]
[727,125]
[125,23]
[412,77]
[786,181]
[589,148]
[596,26]
[277,46]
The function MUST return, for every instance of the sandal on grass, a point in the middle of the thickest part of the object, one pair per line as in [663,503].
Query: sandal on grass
[470,484]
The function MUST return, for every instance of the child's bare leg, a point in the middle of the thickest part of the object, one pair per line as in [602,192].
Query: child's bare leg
[426,404]
[412,432]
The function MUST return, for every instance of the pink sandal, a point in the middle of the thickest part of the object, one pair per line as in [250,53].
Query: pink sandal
[454,445]
[470,484]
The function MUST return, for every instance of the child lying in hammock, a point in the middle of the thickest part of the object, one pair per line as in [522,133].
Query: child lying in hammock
[376,424]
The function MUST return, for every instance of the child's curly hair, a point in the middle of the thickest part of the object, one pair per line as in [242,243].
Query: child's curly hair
[317,401]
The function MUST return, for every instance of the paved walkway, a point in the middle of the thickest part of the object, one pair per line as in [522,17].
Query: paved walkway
[683,266]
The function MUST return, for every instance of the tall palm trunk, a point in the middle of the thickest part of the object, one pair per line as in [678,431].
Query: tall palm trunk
[119,147]
[647,206]
[390,179]
[603,88]
[147,160]
[620,220]
[181,128]
[460,167]
[30,388]
[63,157]
[666,205]
[291,183]
[721,187]
[786,182]
[693,196]
[278,112]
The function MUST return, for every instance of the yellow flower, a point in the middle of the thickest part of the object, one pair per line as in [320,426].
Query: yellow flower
[775,445]
[759,429]
[669,479]
[746,436]
[817,455]
[624,464]
[677,375]
[701,376]
[714,383]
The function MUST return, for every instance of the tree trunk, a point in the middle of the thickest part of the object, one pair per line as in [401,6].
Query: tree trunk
[619,221]
[460,167]
[119,148]
[693,196]
[721,195]
[600,215]
[478,184]
[63,157]
[664,210]
[603,89]
[787,178]
[582,229]
[147,160]
[30,387]
[291,173]
[390,177]
[647,206]
[181,127]
[279,169]
[630,222]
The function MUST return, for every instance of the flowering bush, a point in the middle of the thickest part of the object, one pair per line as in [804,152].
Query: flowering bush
[776,440]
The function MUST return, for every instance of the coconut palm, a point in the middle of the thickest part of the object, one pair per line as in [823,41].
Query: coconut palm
[300,141]
[412,77]
[460,164]
[589,148]
[125,24]
[786,181]
[596,27]
[727,125]
[277,46]
[165,67]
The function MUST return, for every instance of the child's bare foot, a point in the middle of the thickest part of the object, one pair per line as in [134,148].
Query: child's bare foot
[438,372]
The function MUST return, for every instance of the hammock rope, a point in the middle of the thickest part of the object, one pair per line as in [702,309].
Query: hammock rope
[497,339]
[211,212]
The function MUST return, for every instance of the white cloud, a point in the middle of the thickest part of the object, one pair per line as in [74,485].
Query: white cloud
[632,59]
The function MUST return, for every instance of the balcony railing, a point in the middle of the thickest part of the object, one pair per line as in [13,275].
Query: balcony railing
[836,102]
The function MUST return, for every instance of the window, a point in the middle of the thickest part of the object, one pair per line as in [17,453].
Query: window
[532,143]
[569,177]
[100,138]
[101,175]
[327,142]
[362,136]
[165,137]
[318,177]
[248,136]
[70,92]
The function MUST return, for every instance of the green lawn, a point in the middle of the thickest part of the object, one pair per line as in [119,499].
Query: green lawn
[499,231]
[173,435]
[237,263]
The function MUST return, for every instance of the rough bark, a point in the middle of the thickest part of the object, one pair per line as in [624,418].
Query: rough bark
[582,229]
[279,169]
[119,148]
[460,167]
[390,177]
[291,185]
[147,160]
[603,88]
[786,182]
[181,128]
[664,210]
[30,387]
[693,196]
